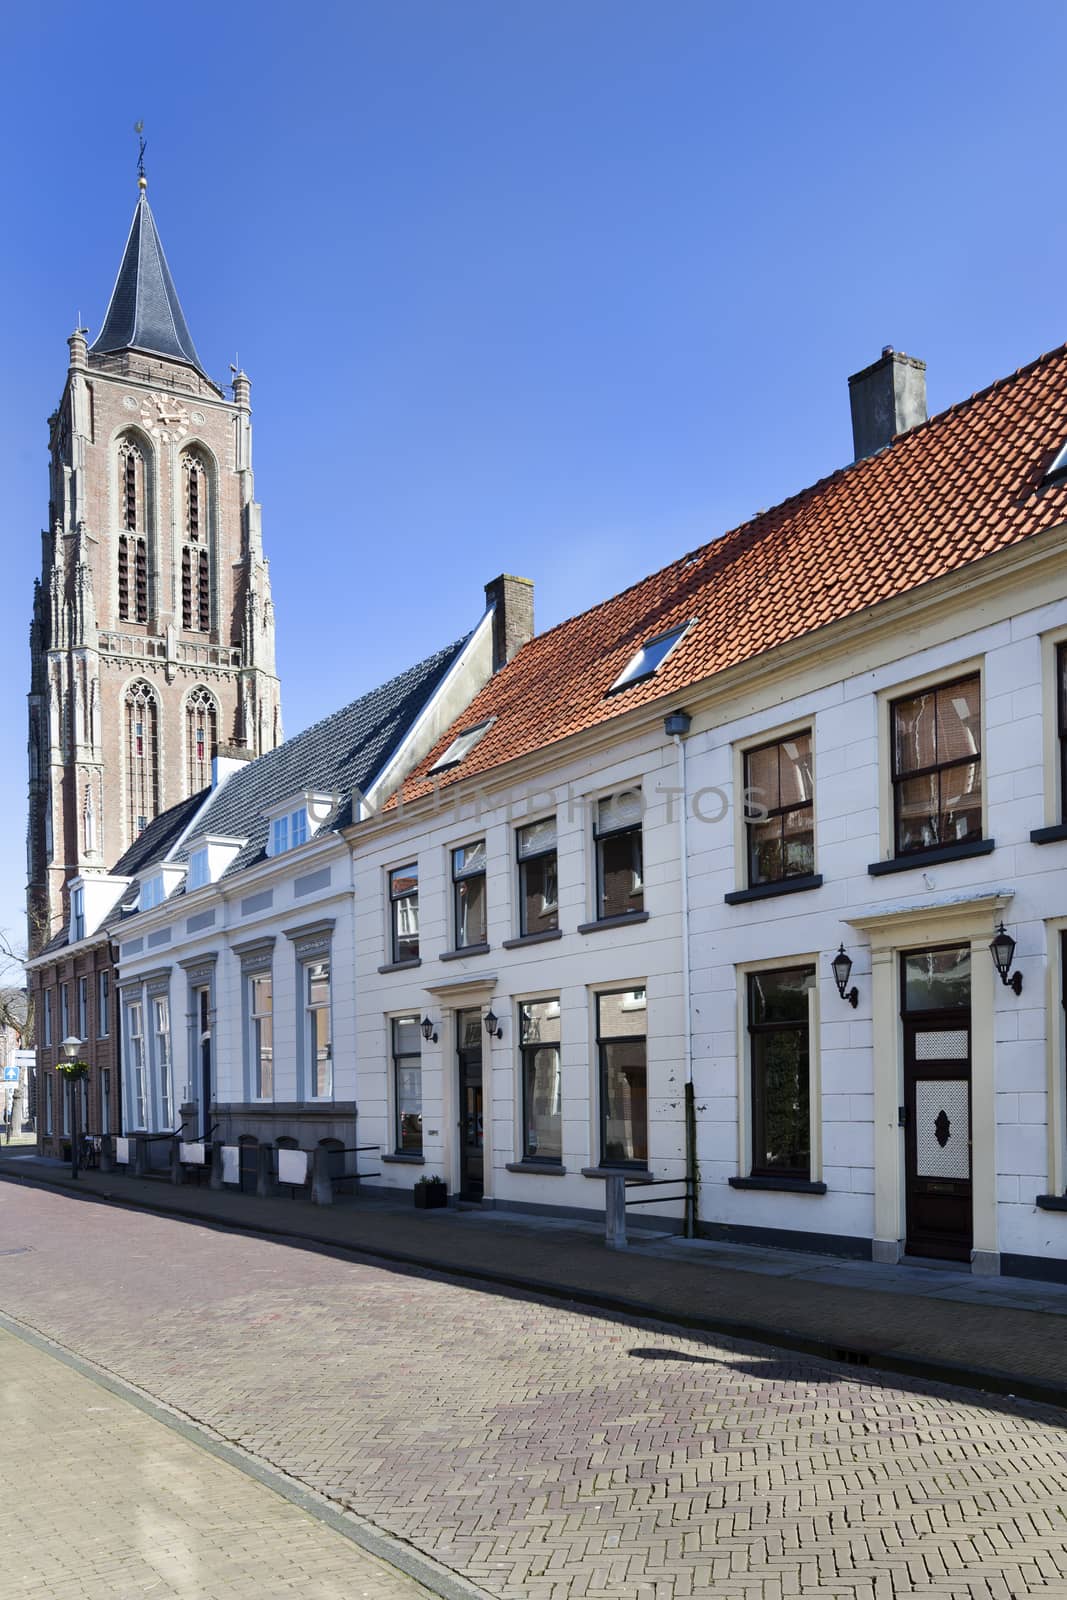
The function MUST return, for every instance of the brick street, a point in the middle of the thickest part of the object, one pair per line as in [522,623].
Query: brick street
[543,1452]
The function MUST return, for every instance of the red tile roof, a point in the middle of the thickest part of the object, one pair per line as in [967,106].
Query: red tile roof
[961,486]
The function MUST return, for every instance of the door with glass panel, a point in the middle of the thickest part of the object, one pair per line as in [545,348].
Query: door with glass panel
[936,993]
[471,1129]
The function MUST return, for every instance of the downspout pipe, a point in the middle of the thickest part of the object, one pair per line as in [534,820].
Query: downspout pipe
[676,725]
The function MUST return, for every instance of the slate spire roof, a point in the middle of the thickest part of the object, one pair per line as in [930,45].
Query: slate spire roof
[144,312]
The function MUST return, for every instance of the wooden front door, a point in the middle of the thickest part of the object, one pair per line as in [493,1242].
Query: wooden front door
[471,1123]
[937,1135]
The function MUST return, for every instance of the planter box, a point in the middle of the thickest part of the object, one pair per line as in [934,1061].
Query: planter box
[428,1196]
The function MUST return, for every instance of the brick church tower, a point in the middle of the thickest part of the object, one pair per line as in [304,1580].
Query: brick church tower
[152,640]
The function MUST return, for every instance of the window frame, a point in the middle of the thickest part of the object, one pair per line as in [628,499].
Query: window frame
[77,915]
[636,829]
[83,1007]
[637,1164]
[312,1008]
[475,733]
[103,1004]
[933,685]
[751,1121]
[46,1017]
[395,902]
[138,1061]
[256,1075]
[462,876]
[396,1057]
[629,676]
[535,857]
[527,1050]
[774,741]
[64,1012]
[163,1059]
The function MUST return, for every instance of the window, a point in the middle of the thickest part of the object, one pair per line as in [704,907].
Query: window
[407,1078]
[778,781]
[77,915]
[462,745]
[83,1008]
[404,912]
[196,585]
[105,1100]
[648,660]
[317,1028]
[261,1027]
[64,1104]
[778,1029]
[619,856]
[161,1017]
[289,831]
[64,1012]
[1058,468]
[103,1004]
[937,767]
[132,543]
[621,1047]
[538,896]
[46,1021]
[542,1118]
[468,891]
[198,874]
[48,1082]
[151,893]
[142,756]
[201,739]
[138,1081]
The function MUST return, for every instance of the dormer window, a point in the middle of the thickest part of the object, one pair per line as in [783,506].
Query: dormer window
[151,893]
[77,915]
[648,660]
[292,822]
[462,745]
[198,870]
[289,831]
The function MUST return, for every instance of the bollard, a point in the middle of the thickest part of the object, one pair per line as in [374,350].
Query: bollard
[215,1181]
[615,1212]
[321,1182]
[107,1153]
[176,1173]
[264,1184]
[140,1154]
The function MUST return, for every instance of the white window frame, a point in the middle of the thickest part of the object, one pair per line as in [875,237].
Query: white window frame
[163,1056]
[103,1004]
[199,875]
[738,751]
[46,1020]
[49,1079]
[255,1048]
[77,915]
[310,1007]
[950,673]
[138,1079]
[83,1008]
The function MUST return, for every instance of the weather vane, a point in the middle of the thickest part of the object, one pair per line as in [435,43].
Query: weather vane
[142,181]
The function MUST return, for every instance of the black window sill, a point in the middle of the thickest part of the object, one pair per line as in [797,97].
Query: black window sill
[613,922]
[544,1169]
[931,858]
[638,1174]
[1051,1202]
[784,1185]
[468,950]
[767,891]
[545,937]
[401,966]
[1051,835]
[405,1158]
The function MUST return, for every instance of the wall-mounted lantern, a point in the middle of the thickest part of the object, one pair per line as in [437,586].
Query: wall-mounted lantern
[1003,952]
[842,969]
[492,1027]
[428,1031]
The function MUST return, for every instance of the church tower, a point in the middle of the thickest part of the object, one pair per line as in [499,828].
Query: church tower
[152,641]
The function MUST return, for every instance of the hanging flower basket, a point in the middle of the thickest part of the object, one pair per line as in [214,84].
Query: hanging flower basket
[73,1070]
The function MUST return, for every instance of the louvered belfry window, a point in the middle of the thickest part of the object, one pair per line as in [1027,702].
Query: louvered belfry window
[196,573]
[142,757]
[201,735]
[133,542]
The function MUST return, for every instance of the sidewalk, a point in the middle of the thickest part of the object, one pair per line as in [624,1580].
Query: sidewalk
[1007,1335]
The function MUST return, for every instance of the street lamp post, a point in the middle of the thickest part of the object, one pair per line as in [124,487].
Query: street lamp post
[70,1047]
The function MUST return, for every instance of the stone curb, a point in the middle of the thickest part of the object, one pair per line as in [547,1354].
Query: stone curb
[422,1569]
[923,1368]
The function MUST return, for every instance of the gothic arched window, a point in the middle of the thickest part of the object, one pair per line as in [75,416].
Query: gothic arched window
[133,539]
[201,739]
[142,756]
[196,564]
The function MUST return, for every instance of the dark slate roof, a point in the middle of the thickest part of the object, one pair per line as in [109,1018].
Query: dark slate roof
[344,751]
[160,835]
[144,312]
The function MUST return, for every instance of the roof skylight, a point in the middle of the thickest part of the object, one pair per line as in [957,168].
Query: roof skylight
[462,745]
[648,660]
[1058,468]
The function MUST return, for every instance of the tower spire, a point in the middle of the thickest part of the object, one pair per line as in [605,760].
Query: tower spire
[142,181]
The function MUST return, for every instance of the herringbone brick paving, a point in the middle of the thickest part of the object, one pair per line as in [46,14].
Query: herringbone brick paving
[547,1453]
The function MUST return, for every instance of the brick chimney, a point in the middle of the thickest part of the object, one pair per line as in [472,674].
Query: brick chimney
[887,398]
[512,600]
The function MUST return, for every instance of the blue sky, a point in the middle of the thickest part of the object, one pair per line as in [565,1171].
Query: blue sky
[562,289]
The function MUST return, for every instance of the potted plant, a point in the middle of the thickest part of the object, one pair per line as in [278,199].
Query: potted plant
[430,1192]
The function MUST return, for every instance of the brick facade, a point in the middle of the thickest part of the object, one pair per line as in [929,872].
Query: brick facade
[89,965]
